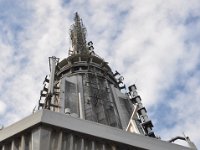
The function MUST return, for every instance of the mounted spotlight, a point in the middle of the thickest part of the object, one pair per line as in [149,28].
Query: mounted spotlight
[120,80]
[43,94]
[91,48]
[45,89]
[46,80]
[90,43]
[122,87]
[116,73]
[132,87]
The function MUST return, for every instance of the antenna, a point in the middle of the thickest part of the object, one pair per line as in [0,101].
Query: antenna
[78,36]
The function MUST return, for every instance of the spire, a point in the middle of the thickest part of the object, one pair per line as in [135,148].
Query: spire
[78,36]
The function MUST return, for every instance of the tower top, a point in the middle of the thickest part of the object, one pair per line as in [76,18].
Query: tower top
[78,36]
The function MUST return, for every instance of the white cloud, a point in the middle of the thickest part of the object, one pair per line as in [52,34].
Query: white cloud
[2,108]
[149,42]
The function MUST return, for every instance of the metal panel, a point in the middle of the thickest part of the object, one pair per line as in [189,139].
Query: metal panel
[21,125]
[76,133]
[35,139]
[71,97]
[45,138]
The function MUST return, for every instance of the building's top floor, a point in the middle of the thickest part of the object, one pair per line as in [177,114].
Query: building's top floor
[46,129]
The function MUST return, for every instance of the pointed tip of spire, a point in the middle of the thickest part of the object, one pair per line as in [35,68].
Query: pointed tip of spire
[76,17]
[78,35]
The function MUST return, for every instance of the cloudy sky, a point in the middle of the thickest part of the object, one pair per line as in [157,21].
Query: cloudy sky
[154,44]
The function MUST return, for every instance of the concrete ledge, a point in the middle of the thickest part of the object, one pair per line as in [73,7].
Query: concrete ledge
[87,127]
[21,125]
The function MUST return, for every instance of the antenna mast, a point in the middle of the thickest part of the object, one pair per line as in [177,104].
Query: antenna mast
[78,36]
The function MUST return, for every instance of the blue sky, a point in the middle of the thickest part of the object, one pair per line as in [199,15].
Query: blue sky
[153,43]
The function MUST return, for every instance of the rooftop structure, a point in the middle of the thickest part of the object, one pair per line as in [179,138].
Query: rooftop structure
[84,105]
